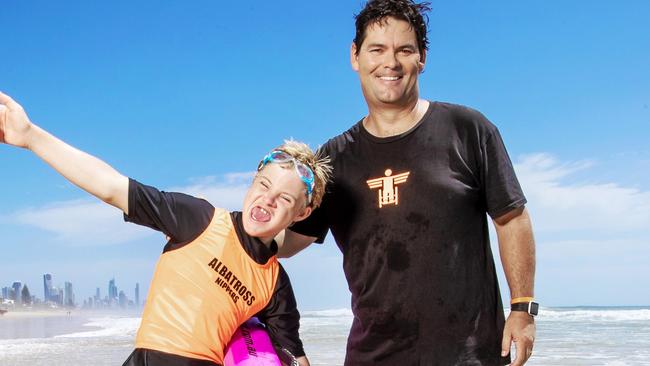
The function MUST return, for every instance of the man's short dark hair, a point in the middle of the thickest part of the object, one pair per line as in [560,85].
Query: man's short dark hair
[376,12]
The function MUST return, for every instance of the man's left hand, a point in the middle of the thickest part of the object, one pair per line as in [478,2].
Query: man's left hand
[519,328]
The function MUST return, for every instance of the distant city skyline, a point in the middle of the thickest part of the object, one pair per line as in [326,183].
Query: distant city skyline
[65,296]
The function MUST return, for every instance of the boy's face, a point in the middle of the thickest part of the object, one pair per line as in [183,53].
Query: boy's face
[276,199]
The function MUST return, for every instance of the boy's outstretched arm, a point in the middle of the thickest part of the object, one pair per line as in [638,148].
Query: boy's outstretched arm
[84,170]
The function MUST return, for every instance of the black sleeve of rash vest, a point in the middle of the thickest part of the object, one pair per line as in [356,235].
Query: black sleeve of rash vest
[179,216]
[282,318]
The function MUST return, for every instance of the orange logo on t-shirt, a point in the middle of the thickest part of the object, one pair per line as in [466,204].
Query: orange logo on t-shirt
[388,192]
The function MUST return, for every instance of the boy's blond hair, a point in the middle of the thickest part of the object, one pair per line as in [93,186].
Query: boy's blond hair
[318,163]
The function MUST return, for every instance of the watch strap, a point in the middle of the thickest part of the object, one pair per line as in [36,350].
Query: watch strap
[529,307]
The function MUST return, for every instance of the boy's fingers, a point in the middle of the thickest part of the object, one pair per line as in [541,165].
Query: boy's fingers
[6,100]
[3,118]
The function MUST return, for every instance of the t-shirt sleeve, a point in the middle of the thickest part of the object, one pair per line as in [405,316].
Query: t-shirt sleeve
[179,216]
[502,190]
[282,318]
[315,225]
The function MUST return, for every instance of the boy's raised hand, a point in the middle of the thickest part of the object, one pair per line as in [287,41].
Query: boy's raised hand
[14,123]
[82,169]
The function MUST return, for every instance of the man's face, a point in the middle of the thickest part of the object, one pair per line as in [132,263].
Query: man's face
[276,198]
[388,63]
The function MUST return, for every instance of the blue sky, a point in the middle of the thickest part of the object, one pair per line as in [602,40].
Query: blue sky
[190,95]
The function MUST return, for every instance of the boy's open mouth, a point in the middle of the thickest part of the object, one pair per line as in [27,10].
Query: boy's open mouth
[259,214]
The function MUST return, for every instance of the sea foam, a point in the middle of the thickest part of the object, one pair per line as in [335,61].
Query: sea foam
[595,314]
[110,327]
[328,313]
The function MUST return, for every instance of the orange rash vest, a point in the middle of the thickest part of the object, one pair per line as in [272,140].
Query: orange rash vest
[202,292]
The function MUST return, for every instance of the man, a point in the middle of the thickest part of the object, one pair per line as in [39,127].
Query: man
[218,268]
[412,183]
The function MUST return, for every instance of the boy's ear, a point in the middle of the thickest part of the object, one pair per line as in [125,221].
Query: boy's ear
[303,215]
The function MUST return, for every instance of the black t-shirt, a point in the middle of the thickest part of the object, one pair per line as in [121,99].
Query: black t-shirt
[183,218]
[409,214]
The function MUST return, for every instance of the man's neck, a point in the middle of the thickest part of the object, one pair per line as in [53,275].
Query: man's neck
[386,122]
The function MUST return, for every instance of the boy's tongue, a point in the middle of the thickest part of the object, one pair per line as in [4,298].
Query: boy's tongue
[260,215]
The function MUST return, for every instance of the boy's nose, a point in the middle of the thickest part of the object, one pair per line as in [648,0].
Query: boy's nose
[270,198]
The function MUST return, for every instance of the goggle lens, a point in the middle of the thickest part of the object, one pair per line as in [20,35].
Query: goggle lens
[304,171]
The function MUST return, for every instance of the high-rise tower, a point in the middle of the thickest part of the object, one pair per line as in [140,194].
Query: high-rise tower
[47,287]
[17,287]
[137,294]
[68,297]
[112,290]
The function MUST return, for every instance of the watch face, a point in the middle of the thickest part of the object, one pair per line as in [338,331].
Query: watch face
[534,308]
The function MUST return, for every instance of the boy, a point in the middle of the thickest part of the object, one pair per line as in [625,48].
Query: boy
[218,268]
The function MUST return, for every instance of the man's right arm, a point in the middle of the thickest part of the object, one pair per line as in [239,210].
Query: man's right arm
[85,171]
[290,243]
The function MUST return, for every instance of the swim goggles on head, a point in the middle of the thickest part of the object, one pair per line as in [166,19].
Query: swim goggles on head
[304,171]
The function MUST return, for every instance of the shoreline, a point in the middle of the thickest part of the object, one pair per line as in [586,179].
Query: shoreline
[13,314]
[31,324]
[607,336]
[26,313]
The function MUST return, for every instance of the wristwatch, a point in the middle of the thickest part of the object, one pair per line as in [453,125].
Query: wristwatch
[530,307]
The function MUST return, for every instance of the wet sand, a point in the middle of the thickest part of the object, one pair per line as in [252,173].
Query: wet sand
[41,323]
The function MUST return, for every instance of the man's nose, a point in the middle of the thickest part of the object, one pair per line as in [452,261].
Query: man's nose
[390,60]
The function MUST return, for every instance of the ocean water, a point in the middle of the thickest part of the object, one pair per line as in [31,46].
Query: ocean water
[589,336]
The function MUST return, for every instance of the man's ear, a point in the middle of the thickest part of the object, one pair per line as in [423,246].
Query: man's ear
[423,60]
[354,59]
[303,215]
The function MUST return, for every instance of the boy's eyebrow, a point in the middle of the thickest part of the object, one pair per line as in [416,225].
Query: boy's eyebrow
[262,176]
[290,195]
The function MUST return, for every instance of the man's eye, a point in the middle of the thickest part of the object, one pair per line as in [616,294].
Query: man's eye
[264,184]
[286,199]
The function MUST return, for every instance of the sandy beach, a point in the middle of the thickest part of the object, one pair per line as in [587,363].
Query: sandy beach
[54,338]
[16,324]
[13,314]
